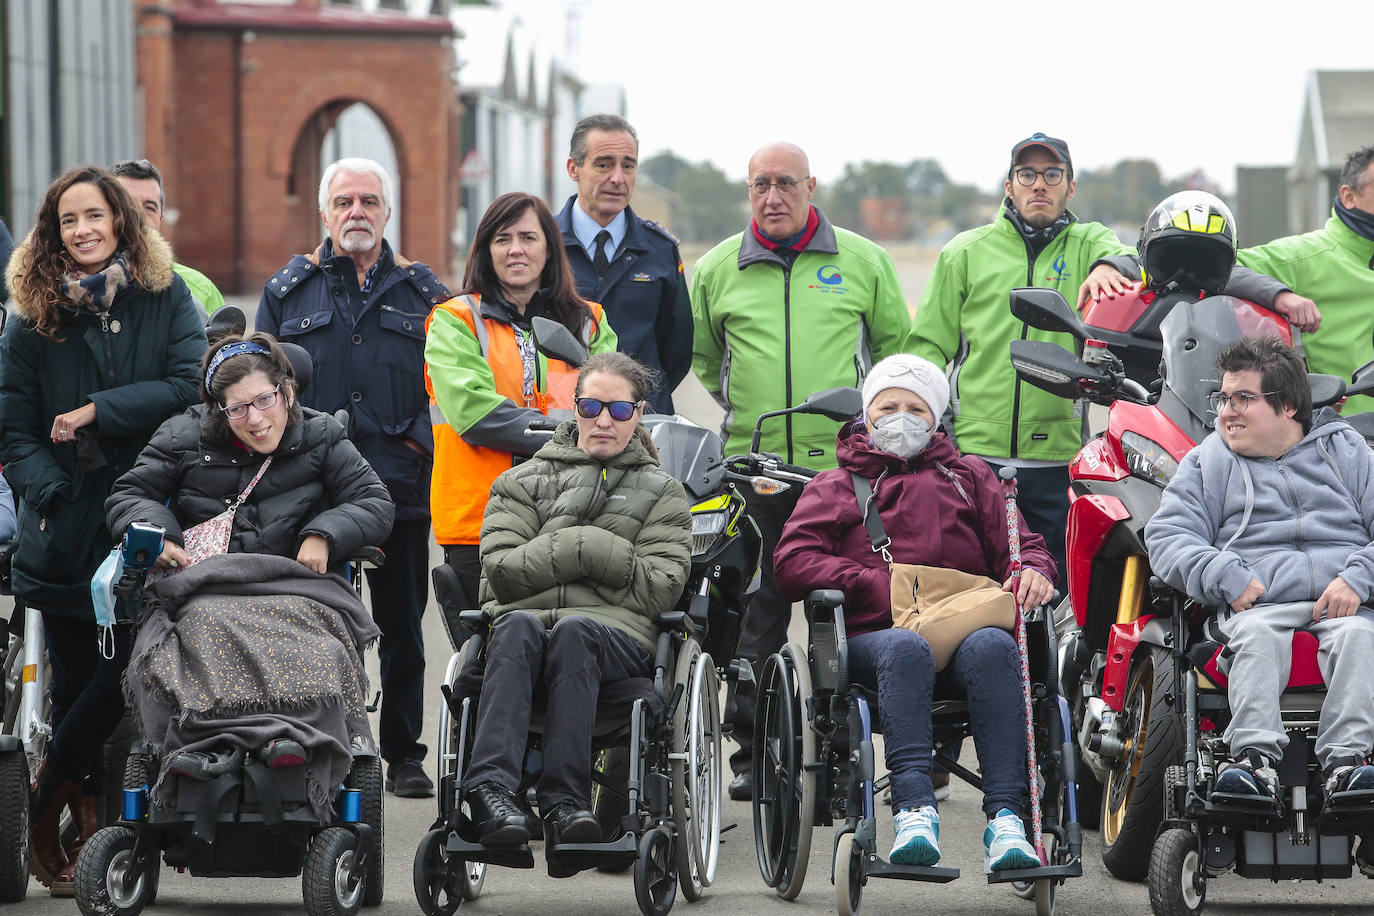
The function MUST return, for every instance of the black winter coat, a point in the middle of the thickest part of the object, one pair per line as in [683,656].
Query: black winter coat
[318,484]
[369,357]
[139,366]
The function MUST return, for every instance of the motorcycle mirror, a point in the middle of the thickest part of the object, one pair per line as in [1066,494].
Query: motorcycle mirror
[556,341]
[838,404]
[1362,382]
[1052,368]
[1326,389]
[1046,309]
[227,320]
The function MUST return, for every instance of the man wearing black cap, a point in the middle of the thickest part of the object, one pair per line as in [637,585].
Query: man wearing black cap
[965,321]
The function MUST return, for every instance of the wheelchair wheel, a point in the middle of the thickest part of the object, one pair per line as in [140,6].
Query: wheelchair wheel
[655,877]
[105,880]
[849,881]
[784,792]
[368,772]
[696,771]
[449,764]
[1133,797]
[1178,880]
[14,827]
[474,876]
[333,885]
[440,882]
[1044,890]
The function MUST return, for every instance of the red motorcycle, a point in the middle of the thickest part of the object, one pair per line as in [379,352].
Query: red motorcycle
[1116,659]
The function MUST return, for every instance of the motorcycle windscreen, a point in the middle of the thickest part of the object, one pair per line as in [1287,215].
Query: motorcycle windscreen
[687,452]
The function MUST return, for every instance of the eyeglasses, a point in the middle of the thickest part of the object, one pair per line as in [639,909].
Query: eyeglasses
[1025,176]
[1238,402]
[590,408]
[263,402]
[785,185]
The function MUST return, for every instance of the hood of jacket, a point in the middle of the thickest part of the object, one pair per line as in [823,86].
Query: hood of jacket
[158,275]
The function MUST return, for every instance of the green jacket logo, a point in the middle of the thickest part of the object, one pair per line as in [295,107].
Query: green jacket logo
[830,280]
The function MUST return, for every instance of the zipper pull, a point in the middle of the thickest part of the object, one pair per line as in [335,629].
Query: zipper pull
[105,322]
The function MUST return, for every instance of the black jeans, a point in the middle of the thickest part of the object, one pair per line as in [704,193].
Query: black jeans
[87,696]
[568,664]
[1042,495]
[764,629]
[400,591]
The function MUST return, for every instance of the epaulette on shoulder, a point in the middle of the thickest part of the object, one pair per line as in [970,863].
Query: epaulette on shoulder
[661,230]
[291,277]
[427,282]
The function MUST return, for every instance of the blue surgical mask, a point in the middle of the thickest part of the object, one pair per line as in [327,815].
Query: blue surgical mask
[903,434]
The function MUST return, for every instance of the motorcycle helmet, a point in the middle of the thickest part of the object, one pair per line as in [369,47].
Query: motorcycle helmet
[1189,242]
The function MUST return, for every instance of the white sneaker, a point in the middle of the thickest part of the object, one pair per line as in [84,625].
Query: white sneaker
[1005,845]
[918,836]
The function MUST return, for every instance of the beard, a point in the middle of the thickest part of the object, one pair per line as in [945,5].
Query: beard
[357,236]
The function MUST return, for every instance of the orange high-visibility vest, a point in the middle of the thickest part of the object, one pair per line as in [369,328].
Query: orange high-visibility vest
[463,474]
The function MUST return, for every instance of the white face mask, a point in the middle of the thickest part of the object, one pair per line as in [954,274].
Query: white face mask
[903,434]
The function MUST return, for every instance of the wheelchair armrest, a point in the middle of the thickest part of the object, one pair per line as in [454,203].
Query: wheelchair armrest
[829,646]
[370,556]
[677,621]
[475,619]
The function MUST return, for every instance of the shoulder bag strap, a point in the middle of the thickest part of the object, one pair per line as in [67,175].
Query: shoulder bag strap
[873,522]
[251,484]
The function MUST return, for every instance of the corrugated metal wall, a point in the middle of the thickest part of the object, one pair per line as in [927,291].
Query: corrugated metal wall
[70,94]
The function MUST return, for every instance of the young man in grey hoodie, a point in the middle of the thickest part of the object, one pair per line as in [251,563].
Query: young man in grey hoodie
[1272,518]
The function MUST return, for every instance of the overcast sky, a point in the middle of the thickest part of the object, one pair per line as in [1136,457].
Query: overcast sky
[1189,84]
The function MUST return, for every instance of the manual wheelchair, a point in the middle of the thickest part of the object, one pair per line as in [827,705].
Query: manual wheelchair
[667,730]
[814,763]
[1206,833]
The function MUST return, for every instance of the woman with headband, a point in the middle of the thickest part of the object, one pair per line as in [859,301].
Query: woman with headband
[104,347]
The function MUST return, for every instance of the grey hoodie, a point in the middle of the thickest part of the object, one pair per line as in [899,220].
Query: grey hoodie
[1294,523]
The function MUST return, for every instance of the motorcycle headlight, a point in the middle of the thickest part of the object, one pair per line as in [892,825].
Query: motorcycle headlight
[1147,459]
[706,527]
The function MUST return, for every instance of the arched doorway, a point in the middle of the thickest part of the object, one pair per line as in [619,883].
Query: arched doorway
[339,129]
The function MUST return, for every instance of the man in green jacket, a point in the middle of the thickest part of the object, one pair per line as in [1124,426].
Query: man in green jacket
[1334,265]
[965,321]
[790,306]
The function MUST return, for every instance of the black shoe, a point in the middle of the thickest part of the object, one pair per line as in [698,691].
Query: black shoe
[1251,774]
[1349,775]
[283,752]
[407,779]
[204,766]
[567,824]
[495,814]
[742,786]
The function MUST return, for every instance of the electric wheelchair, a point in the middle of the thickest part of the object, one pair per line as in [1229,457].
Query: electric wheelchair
[1207,833]
[665,729]
[814,764]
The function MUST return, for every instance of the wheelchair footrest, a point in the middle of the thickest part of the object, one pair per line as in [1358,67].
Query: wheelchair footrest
[508,856]
[1072,869]
[590,855]
[1347,813]
[1251,812]
[876,867]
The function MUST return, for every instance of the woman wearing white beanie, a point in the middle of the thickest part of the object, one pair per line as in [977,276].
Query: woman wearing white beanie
[940,510]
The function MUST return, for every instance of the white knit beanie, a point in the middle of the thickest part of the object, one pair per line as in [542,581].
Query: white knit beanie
[911,373]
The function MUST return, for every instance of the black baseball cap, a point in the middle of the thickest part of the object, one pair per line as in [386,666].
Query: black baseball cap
[1053,145]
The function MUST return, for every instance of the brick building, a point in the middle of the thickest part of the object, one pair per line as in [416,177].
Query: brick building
[237,99]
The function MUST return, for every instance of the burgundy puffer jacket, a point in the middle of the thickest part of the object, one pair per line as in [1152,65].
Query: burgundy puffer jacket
[930,521]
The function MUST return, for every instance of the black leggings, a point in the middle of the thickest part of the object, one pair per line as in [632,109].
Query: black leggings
[87,694]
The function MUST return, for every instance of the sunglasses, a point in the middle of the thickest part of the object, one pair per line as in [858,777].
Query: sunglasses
[590,408]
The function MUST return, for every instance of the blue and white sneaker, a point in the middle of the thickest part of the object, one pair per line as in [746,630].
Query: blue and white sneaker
[1005,845]
[918,836]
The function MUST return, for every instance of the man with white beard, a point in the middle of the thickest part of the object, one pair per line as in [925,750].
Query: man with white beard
[359,310]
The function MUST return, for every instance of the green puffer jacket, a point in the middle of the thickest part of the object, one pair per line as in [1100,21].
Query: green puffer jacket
[766,335]
[965,320]
[565,533]
[1334,267]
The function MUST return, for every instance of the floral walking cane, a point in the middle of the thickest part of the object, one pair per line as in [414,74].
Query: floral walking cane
[1008,476]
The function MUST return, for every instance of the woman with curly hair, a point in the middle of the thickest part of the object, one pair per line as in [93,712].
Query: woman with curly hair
[105,345]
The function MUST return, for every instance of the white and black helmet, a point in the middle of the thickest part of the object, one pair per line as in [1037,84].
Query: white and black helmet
[1189,242]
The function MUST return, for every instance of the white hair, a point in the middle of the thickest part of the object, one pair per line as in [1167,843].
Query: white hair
[357,166]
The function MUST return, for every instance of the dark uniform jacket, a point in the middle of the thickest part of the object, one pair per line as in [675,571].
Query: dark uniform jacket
[369,359]
[644,294]
[139,365]
[317,484]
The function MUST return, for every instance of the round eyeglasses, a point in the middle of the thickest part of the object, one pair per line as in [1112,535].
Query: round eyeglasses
[785,185]
[1025,175]
[263,402]
[590,408]
[1239,401]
